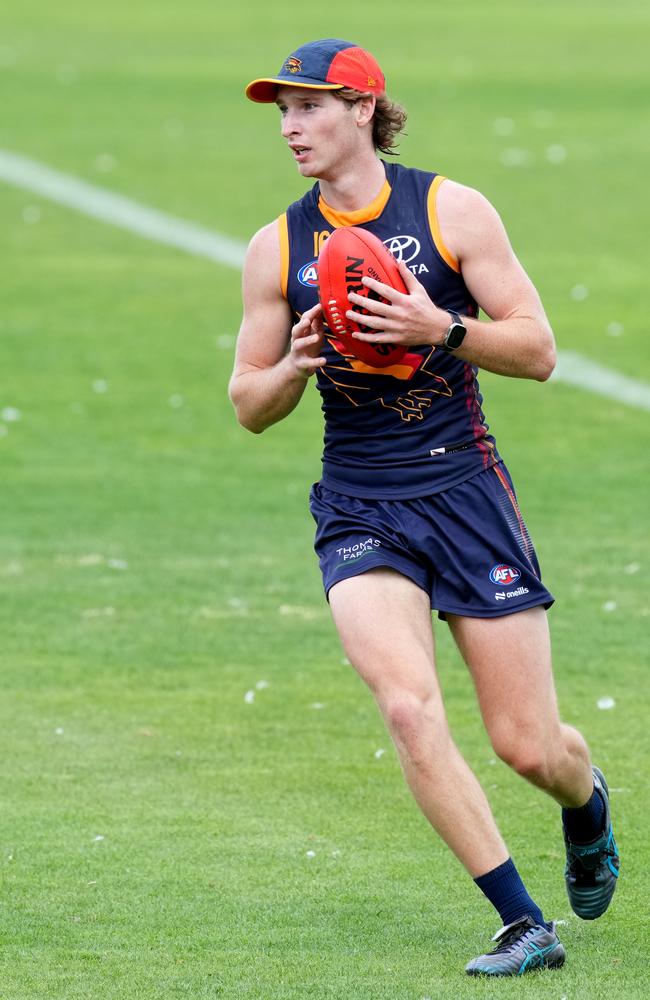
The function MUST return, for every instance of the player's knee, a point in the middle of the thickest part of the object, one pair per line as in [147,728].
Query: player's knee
[404,712]
[524,755]
[414,721]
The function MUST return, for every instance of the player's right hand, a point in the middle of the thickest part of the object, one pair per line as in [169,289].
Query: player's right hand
[306,342]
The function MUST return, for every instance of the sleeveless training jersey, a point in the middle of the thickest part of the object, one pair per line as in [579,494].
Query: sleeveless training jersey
[416,427]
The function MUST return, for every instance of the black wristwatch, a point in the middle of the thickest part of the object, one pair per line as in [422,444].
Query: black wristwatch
[455,334]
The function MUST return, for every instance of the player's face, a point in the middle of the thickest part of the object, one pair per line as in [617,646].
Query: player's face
[321,130]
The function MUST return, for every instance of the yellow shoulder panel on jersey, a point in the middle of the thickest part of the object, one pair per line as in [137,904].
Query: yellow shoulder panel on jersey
[434,225]
[283,232]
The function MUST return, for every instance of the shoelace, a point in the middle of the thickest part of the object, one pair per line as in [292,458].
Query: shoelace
[514,938]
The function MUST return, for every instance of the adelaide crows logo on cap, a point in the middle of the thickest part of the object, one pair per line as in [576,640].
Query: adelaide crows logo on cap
[293,64]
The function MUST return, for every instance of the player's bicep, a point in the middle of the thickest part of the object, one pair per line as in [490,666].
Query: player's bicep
[264,334]
[493,275]
[501,287]
[266,323]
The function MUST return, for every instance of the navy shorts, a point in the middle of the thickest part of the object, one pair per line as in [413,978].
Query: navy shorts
[467,547]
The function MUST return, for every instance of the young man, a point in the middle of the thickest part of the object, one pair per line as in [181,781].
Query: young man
[415,509]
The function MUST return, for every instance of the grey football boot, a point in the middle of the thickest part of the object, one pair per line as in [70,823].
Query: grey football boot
[591,871]
[521,947]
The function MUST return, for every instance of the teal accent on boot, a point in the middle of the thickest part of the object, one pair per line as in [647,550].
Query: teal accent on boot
[521,947]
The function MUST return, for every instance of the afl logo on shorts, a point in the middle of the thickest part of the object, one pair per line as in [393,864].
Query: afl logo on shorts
[308,274]
[504,575]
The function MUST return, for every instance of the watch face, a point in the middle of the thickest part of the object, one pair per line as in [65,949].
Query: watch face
[455,336]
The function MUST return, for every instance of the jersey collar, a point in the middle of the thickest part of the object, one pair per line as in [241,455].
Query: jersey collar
[360,215]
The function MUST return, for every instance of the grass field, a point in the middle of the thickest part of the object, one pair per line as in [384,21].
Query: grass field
[192,800]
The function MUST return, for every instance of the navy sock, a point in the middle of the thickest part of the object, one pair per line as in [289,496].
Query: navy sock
[585,823]
[507,893]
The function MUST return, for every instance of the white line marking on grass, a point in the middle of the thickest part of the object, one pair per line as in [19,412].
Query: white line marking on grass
[577,370]
[117,210]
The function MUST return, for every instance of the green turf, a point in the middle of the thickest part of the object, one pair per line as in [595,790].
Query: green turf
[155,560]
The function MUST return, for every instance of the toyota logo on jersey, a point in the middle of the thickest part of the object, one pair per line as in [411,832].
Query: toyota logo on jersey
[504,575]
[404,248]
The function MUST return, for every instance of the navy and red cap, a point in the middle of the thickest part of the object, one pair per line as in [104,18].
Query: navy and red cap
[328,64]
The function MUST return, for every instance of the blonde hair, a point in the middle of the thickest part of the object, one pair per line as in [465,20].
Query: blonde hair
[388,120]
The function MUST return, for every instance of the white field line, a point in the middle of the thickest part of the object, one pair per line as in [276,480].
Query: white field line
[577,370]
[117,210]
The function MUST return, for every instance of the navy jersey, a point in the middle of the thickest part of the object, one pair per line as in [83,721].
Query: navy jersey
[416,427]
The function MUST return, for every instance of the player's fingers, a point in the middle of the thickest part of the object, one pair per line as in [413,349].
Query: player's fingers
[301,329]
[302,343]
[374,306]
[305,321]
[386,291]
[308,365]
[303,361]
[314,311]
[374,322]
[317,324]
[410,280]
[379,337]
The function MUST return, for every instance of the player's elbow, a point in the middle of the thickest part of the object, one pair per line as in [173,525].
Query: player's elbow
[249,424]
[546,355]
[546,364]
[249,421]
[246,415]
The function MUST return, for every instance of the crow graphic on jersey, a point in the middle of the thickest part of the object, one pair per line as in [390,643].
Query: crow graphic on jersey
[410,404]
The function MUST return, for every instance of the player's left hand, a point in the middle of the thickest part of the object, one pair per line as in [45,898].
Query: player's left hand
[411,318]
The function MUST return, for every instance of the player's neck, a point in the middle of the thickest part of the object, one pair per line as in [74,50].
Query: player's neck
[356,188]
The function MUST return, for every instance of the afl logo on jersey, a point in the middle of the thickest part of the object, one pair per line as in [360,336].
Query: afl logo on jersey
[404,248]
[504,575]
[308,274]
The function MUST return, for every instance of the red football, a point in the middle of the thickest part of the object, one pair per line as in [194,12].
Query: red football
[349,254]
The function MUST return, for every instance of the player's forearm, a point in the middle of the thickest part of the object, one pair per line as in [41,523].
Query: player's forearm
[263,396]
[520,347]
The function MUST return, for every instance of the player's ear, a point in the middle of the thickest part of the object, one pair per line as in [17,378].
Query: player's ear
[365,109]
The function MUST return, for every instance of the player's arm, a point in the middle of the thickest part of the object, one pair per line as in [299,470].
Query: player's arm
[274,360]
[519,340]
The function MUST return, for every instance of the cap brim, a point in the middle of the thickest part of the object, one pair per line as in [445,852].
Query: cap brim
[265,90]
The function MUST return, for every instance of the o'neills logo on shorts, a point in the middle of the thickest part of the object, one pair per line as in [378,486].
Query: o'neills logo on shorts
[349,553]
[505,595]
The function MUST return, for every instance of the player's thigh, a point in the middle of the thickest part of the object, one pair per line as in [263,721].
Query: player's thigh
[509,658]
[384,621]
